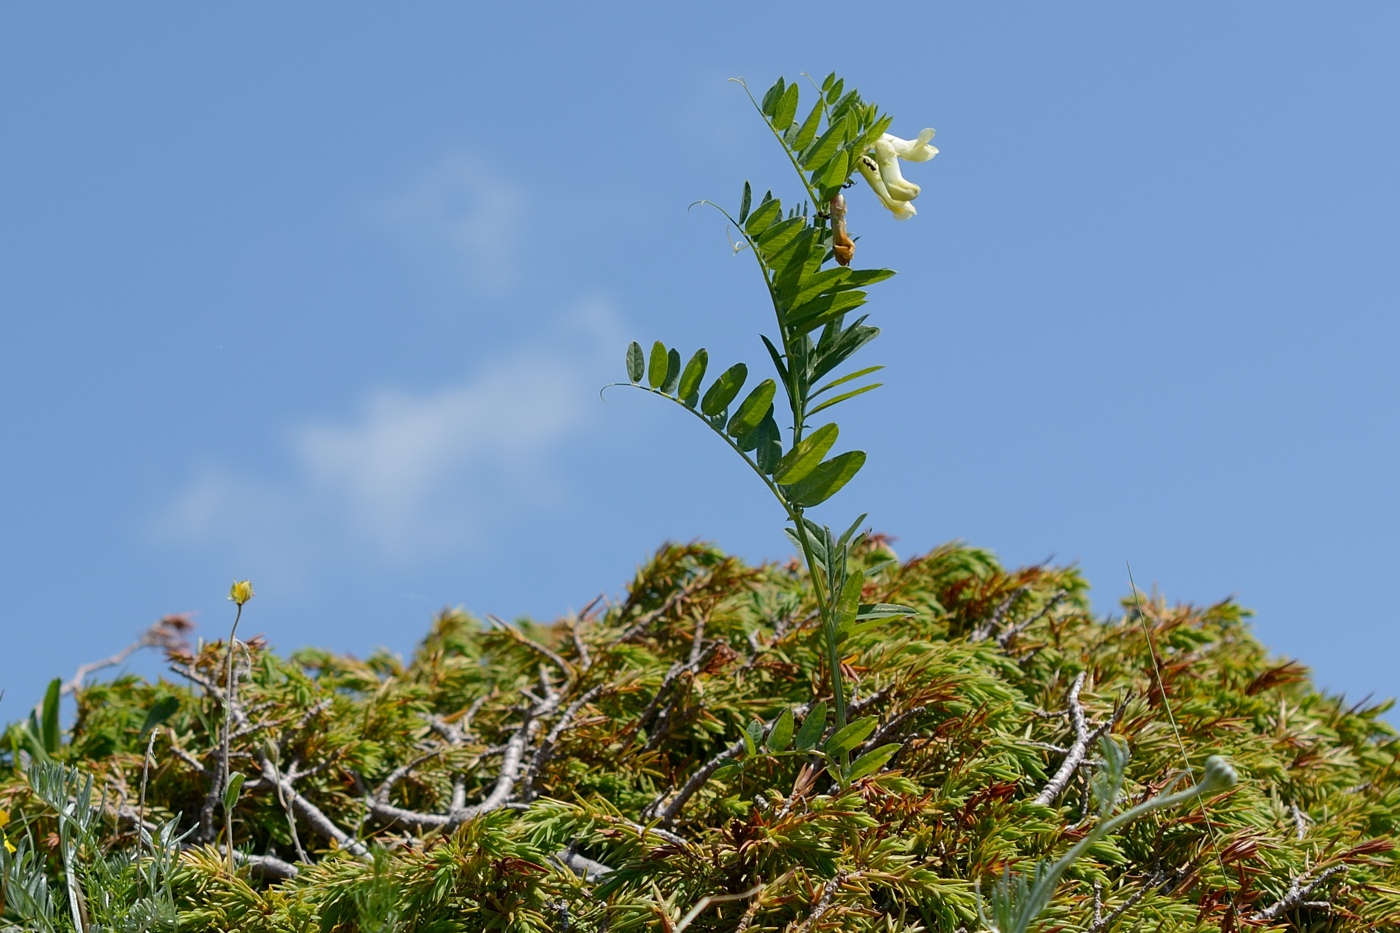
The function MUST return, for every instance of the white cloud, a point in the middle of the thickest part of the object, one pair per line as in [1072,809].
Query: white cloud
[461,215]
[411,472]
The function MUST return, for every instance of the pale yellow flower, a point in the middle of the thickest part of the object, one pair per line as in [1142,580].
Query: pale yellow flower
[880,168]
[870,169]
[241,591]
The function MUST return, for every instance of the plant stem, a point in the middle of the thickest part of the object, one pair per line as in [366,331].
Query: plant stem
[224,749]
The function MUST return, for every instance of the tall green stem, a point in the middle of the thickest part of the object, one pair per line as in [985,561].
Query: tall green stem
[224,747]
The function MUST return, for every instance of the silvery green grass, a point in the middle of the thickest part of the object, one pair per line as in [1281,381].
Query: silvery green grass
[841,742]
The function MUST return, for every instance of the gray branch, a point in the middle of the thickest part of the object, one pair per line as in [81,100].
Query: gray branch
[1084,738]
[1299,890]
[1104,921]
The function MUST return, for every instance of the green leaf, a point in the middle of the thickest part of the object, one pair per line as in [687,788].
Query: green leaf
[828,81]
[845,107]
[812,728]
[753,735]
[806,455]
[849,603]
[727,770]
[779,235]
[847,378]
[749,746]
[841,398]
[780,736]
[163,709]
[850,532]
[750,440]
[753,409]
[690,379]
[767,443]
[821,151]
[769,104]
[816,540]
[673,371]
[724,390]
[777,358]
[814,313]
[837,345]
[235,784]
[833,93]
[767,212]
[50,733]
[786,108]
[744,202]
[827,280]
[872,761]
[808,132]
[826,480]
[836,171]
[848,738]
[869,611]
[656,372]
[636,365]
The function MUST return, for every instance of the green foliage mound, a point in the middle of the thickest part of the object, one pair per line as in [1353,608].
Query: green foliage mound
[658,763]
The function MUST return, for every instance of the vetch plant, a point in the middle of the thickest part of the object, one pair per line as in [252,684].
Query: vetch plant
[804,254]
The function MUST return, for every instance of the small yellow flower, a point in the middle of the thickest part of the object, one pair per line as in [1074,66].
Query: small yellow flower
[4,819]
[241,591]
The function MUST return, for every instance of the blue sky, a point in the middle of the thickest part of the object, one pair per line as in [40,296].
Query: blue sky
[323,294]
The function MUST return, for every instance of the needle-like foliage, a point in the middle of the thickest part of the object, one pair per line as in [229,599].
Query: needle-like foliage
[635,792]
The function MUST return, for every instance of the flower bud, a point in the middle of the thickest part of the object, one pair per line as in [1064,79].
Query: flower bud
[1220,776]
[241,591]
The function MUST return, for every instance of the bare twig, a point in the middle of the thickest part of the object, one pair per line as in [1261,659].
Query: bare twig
[585,659]
[545,751]
[1084,738]
[1299,890]
[549,654]
[994,622]
[1011,631]
[675,598]
[309,812]
[512,761]
[697,640]
[1300,820]
[666,811]
[266,867]
[714,899]
[166,632]
[824,902]
[1104,921]
[585,868]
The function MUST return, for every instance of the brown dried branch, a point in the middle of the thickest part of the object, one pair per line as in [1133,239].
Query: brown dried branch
[167,633]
